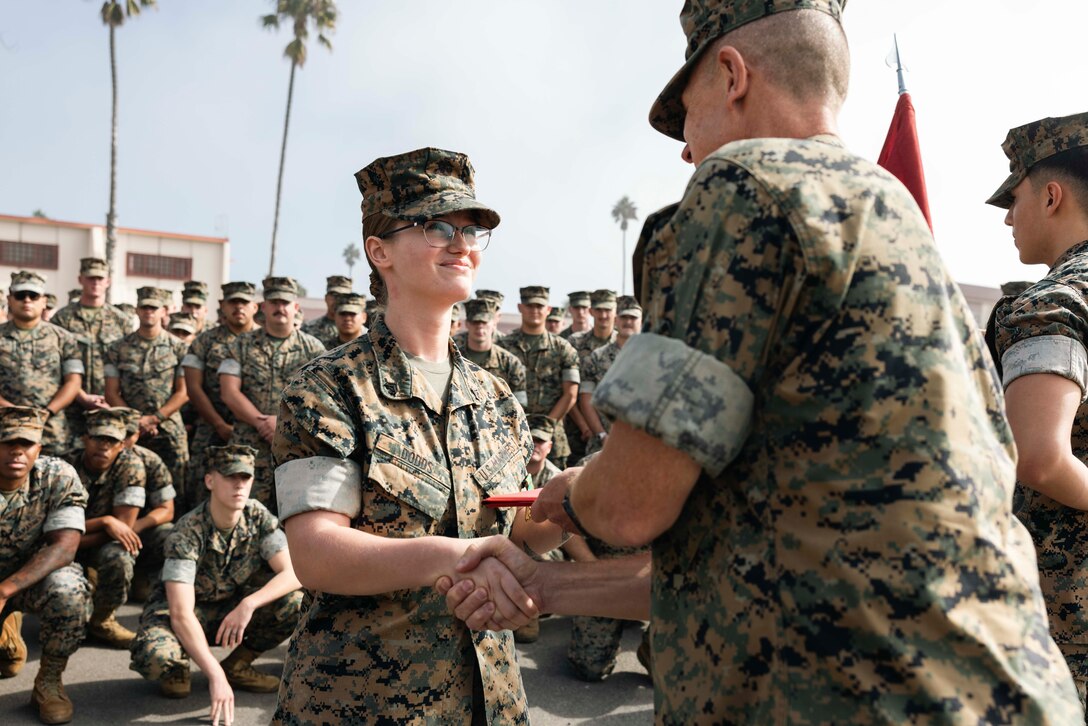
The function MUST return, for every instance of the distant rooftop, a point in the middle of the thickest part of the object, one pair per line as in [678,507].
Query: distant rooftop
[124,230]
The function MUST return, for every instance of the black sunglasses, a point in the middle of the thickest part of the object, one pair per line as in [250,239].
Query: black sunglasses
[26,295]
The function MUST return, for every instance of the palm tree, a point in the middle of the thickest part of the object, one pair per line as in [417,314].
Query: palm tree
[351,256]
[623,212]
[300,13]
[114,14]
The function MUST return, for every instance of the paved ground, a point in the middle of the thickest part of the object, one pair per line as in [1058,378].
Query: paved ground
[105,691]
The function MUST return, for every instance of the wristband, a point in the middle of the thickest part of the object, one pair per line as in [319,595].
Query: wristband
[159,416]
[569,509]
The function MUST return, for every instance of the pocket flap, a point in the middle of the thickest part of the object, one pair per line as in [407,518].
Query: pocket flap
[408,477]
[504,472]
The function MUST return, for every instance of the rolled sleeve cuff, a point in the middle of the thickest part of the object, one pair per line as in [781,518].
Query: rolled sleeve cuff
[111,371]
[179,571]
[521,397]
[231,367]
[191,361]
[131,497]
[587,387]
[690,400]
[73,365]
[319,483]
[161,496]
[1054,354]
[273,543]
[571,375]
[66,518]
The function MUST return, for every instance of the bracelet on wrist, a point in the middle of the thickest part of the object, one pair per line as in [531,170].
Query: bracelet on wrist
[569,509]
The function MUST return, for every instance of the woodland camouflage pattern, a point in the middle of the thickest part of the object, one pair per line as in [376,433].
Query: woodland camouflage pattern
[1027,145]
[399,656]
[265,366]
[1044,330]
[222,570]
[549,361]
[33,364]
[53,498]
[96,329]
[500,363]
[858,560]
[146,371]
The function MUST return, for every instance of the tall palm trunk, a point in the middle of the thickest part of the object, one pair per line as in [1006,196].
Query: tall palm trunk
[623,281]
[283,156]
[111,215]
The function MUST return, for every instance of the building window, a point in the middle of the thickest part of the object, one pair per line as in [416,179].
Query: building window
[27,254]
[158,266]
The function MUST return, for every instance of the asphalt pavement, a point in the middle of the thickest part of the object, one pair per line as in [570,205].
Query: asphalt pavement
[104,691]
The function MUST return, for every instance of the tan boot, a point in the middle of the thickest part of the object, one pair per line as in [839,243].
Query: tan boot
[175,683]
[48,695]
[12,646]
[242,675]
[110,632]
[529,632]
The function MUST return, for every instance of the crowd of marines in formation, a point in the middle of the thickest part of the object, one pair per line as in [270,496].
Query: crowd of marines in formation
[153,481]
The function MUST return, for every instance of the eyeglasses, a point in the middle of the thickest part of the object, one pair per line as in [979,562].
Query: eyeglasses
[440,234]
[26,295]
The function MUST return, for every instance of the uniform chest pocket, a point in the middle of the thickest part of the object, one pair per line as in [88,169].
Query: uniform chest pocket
[12,351]
[161,360]
[409,478]
[503,472]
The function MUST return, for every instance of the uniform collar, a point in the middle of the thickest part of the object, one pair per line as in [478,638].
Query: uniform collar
[1076,250]
[524,341]
[398,381]
[18,498]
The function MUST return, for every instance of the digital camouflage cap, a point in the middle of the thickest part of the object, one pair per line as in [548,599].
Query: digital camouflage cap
[420,185]
[109,422]
[132,419]
[1029,144]
[557,313]
[704,21]
[479,311]
[603,299]
[238,290]
[50,301]
[338,285]
[280,288]
[195,293]
[93,267]
[232,459]
[22,423]
[534,295]
[185,322]
[493,296]
[155,297]
[541,427]
[27,281]
[351,303]
[627,305]
[578,299]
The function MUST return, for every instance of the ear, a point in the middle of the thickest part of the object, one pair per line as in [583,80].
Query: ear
[733,74]
[377,252]
[1053,195]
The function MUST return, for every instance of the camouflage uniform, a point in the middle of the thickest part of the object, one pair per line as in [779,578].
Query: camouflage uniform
[363,417]
[549,362]
[593,368]
[52,499]
[1044,330]
[122,485]
[159,485]
[33,364]
[849,553]
[265,364]
[206,353]
[584,343]
[324,328]
[147,370]
[496,361]
[578,299]
[223,569]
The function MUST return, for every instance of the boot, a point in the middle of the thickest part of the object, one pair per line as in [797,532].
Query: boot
[48,696]
[140,589]
[242,675]
[109,632]
[175,683]
[529,632]
[12,647]
[645,657]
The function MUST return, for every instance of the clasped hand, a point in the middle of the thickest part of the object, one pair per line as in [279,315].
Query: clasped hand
[496,586]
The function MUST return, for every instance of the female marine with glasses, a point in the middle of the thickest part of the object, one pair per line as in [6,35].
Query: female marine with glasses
[385,450]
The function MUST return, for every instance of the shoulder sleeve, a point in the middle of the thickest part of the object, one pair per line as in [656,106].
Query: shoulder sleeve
[71,355]
[517,376]
[315,434]
[69,499]
[1045,331]
[198,349]
[110,357]
[232,358]
[690,379]
[130,481]
[182,551]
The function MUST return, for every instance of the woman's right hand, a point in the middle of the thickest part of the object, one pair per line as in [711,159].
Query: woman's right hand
[497,589]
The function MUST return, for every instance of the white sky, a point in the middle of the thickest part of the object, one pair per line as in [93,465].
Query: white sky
[548,97]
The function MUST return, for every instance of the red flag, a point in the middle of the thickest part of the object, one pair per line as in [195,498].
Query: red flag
[902,155]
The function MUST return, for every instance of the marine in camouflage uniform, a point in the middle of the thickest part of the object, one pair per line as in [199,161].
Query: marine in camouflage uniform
[223,569]
[194,301]
[350,318]
[848,552]
[597,363]
[495,360]
[40,365]
[265,364]
[40,522]
[120,491]
[602,306]
[406,464]
[550,362]
[578,307]
[205,355]
[1039,334]
[148,377]
[324,328]
[554,322]
[494,300]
